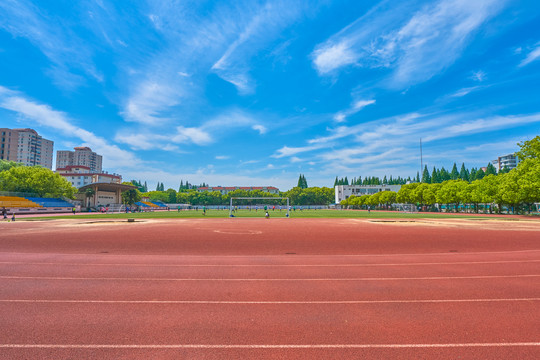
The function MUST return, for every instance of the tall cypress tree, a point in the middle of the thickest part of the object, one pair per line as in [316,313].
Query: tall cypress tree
[490,170]
[454,175]
[425,176]
[480,174]
[434,176]
[464,173]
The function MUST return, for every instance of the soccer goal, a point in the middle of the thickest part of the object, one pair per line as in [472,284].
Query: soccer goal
[268,202]
[407,208]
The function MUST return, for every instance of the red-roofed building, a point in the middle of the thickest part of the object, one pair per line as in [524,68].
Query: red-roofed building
[228,189]
[79,176]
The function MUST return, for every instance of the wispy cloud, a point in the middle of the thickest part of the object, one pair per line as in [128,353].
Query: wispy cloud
[258,29]
[414,48]
[45,116]
[206,133]
[479,76]
[54,38]
[533,55]
[465,91]
[355,107]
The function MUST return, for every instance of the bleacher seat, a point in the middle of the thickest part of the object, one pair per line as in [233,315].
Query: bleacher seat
[148,203]
[17,202]
[50,202]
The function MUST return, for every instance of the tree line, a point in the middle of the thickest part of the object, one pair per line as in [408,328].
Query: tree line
[516,190]
[15,177]
[296,195]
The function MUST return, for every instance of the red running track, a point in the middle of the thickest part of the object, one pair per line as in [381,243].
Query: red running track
[270,289]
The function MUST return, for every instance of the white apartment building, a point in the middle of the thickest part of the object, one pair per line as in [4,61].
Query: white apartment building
[80,176]
[510,161]
[82,156]
[25,146]
[344,191]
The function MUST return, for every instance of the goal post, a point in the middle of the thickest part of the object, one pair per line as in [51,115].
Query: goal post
[258,198]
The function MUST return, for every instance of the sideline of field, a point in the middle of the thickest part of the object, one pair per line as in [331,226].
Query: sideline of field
[339,214]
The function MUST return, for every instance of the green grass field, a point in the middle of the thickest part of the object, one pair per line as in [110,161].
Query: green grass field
[173,214]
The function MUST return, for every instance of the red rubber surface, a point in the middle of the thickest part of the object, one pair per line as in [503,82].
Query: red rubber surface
[270,289]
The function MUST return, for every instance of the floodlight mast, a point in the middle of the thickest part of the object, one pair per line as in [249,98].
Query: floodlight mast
[258,198]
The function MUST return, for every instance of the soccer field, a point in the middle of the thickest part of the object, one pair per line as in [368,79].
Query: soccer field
[275,214]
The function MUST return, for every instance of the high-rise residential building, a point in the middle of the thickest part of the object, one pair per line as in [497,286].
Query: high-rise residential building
[509,161]
[82,156]
[25,146]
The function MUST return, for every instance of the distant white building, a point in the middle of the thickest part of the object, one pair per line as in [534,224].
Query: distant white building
[345,191]
[510,161]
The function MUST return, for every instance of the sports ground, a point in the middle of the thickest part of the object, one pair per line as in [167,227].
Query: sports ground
[278,288]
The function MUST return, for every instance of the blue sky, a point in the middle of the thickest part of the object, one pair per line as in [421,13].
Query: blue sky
[257,92]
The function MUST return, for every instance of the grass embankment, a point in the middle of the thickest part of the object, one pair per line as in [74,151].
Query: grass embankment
[189,214]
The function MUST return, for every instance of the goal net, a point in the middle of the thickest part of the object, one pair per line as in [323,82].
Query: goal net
[272,204]
[408,208]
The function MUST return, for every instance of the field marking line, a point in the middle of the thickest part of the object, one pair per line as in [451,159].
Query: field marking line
[218,302]
[269,265]
[280,255]
[262,279]
[262,346]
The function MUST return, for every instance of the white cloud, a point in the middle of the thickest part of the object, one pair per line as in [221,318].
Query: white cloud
[44,115]
[289,151]
[67,53]
[194,135]
[222,157]
[415,48]
[479,76]
[261,129]
[253,29]
[333,56]
[355,107]
[531,56]
[148,104]
[465,91]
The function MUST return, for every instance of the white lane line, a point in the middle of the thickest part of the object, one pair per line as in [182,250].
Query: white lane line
[261,346]
[195,302]
[268,265]
[279,255]
[262,279]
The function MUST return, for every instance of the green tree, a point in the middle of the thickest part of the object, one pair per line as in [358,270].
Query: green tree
[479,174]
[406,194]
[6,165]
[490,169]
[131,196]
[464,173]
[171,196]
[35,179]
[450,193]
[388,198]
[435,176]
[88,194]
[454,175]
[426,178]
[529,149]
